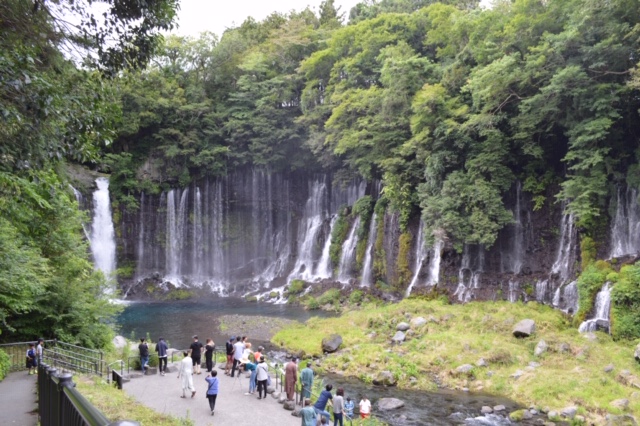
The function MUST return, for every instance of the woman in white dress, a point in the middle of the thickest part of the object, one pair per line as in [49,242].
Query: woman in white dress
[186,372]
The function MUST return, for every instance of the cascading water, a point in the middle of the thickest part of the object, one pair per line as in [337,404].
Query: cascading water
[625,227]
[470,271]
[567,243]
[601,317]
[419,259]
[348,257]
[367,266]
[511,260]
[102,239]
[324,266]
[434,262]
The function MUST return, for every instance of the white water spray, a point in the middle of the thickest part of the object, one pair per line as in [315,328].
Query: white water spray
[102,240]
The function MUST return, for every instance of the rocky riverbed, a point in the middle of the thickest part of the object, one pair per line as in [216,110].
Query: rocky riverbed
[255,327]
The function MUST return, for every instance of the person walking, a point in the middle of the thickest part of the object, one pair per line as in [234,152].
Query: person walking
[186,372]
[306,381]
[212,389]
[40,352]
[365,407]
[32,363]
[321,404]
[208,354]
[196,354]
[290,378]
[238,350]
[143,348]
[161,348]
[229,347]
[261,376]
[308,414]
[338,407]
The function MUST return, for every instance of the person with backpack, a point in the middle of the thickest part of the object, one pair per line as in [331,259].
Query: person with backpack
[32,364]
[262,376]
[212,389]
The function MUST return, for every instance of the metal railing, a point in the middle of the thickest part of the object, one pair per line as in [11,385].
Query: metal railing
[17,353]
[60,404]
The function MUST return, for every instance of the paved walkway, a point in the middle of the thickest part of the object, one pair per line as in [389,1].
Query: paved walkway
[233,407]
[18,400]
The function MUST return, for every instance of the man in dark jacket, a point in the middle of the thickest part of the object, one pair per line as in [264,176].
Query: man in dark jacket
[161,348]
[196,355]
[227,368]
[144,355]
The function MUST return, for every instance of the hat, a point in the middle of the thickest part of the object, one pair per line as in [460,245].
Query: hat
[233,338]
[244,360]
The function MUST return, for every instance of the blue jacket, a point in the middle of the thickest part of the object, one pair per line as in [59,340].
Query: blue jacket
[161,348]
[213,385]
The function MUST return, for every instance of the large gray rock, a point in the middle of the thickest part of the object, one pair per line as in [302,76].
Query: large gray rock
[418,322]
[569,412]
[398,337]
[296,411]
[332,343]
[620,403]
[463,370]
[119,342]
[403,326]
[524,328]
[385,378]
[390,404]
[486,409]
[271,389]
[624,420]
[289,405]
[541,348]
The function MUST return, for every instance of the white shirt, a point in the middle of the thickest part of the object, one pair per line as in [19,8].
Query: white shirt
[238,349]
[365,406]
[262,371]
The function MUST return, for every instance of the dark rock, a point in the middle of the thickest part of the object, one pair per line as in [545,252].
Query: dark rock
[332,343]
[289,405]
[390,404]
[524,328]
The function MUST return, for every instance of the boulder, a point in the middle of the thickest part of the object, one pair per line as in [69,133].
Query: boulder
[624,420]
[552,415]
[524,328]
[390,403]
[626,378]
[563,348]
[463,370]
[275,394]
[486,410]
[289,405]
[517,374]
[541,348]
[282,399]
[569,412]
[636,353]
[172,368]
[482,363]
[296,411]
[608,368]
[499,408]
[271,389]
[332,343]
[119,342]
[403,326]
[418,322]
[398,337]
[385,378]
[620,403]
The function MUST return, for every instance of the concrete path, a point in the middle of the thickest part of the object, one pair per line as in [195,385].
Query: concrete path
[233,407]
[18,400]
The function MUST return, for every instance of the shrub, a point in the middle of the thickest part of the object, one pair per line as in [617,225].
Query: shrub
[625,297]
[311,303]
[296,287]
[5,363]
[356,297]
[589,283]
[330,297]
[402,263]
[588,251]
[338,236]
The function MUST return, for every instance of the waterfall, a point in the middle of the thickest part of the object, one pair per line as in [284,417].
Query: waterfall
[470,271]
[434,263]
[176,224]
[102,240]
[214,202]
[511,260]
[367,267]
[625,227]
[349,254]
[564,257]
[140,245]
[196,254]
[324,266]
[419,259]
[571,298]
[542,286]
[514,291]
[602,306]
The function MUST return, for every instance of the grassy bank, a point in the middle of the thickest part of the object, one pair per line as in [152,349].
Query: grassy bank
[571,371]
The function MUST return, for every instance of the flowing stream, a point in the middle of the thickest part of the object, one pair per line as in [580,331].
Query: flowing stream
[102,237]
[601,317]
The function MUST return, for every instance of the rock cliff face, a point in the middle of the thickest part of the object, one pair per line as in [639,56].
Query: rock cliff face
[254,232]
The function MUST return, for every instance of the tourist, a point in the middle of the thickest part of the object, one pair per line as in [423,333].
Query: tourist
[238,351]
[338,407]
[143,348]
[257,354]
[32,363]
[308,414]
[196,354]
[40,352]
[250,366]
[208,354]
[321,404]
[306,381]
[262,376]
[290,378]
[186,372]
[365,407]
[229,346]
[161,348]
[247,350]
[348,408]
[212,390]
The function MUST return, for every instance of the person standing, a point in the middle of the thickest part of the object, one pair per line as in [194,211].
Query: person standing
[365,407]
[308,414]
[161,348]
[261,376]
[40,352]
[321,404]
[348,408]
[196,354]
[143,348]
[306,380]
[250,366]
[186,372]
[338,407]
[229,347]
[208,354]
[257,354]
[290,378]
[238,350]
[32,363]
[212,389]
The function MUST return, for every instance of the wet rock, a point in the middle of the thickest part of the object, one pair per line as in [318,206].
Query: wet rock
[569,412]
[608,368]
[486,410]
[624,420]
[403,326]
[541,348]
[620,403]
[385,378]
[418,322]
[390,404]
[332,343]
[499,408]
[398,337]
[524,328]
[289,405]
[119,342]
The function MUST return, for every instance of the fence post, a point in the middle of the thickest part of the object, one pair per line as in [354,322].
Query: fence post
[65,380]
[49,415]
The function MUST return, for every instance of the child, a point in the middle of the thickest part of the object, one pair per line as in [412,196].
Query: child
[31,359]
[365,407]
[348,408]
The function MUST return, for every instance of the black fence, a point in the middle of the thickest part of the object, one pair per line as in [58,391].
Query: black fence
[60,404]
[18,353]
